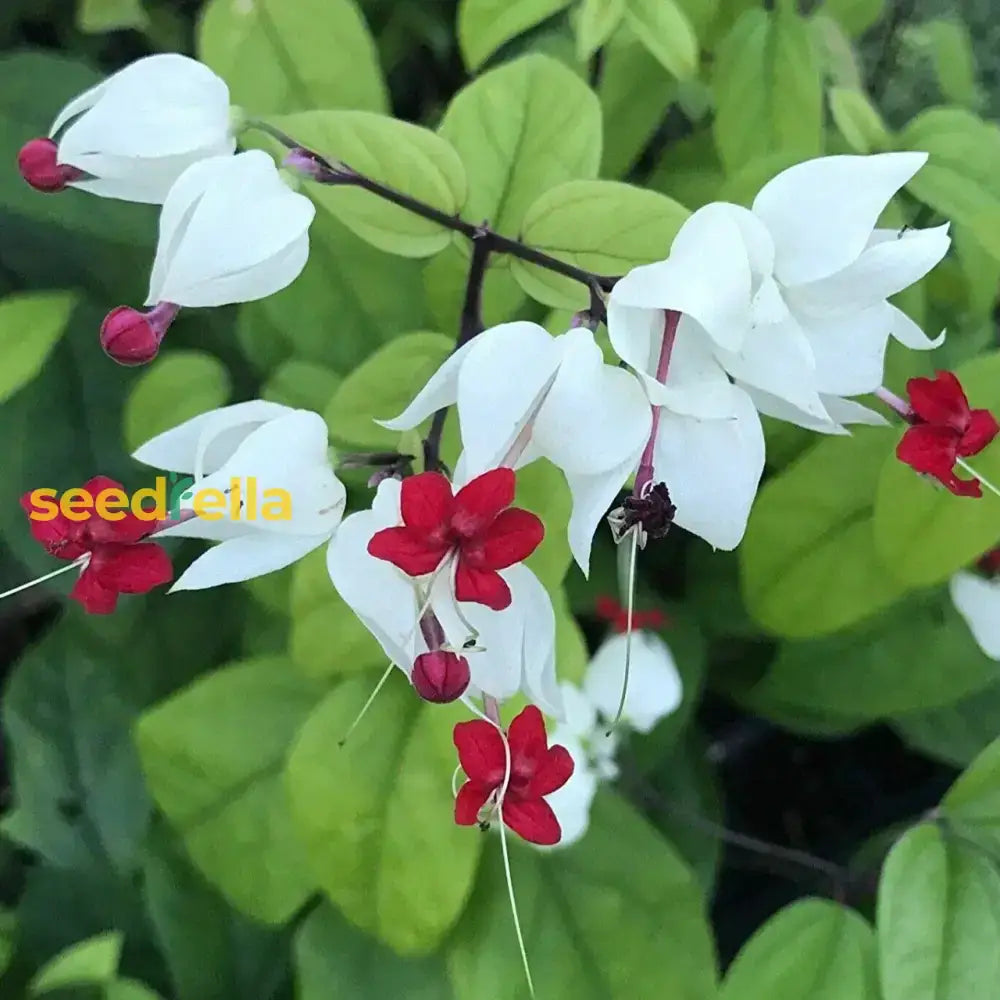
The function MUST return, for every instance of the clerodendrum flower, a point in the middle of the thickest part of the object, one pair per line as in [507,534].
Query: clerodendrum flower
[417,610]
[523,394]
[134,134]
[264,447]
[789,297]
[114,555]
[231,231]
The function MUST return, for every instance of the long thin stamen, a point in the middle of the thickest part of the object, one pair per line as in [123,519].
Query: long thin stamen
[628,628]
[82,561]
[962,464]
[367,704]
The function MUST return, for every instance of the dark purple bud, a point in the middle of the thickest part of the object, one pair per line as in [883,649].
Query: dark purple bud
[440,676]
[39,166]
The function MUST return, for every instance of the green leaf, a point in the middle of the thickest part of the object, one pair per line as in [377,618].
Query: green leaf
[596,21]
[858,121]
[601,226]
[811,950]
[178,386]
[92,962]
[854,16]
[973,802]
[542,489]
[328,639]
[812,525]
[96,16]
[923,533]
[505,126]
[383,386]
[881,669]
[30,325]
[768,88]
[938,920]
[129,989]
[332,959]
[839,62]
[403,156]
[213,756]
[279,57]
[962,178]
[617,916]
[301,384]
[376,813]
[949,44]
[485,25]
[8,939]
[663,27]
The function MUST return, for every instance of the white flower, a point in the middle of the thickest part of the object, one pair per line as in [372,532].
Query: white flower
[790,296]
[276,451]
[139,130]
[231,230]
[977,600]
[514,649]
[523,394]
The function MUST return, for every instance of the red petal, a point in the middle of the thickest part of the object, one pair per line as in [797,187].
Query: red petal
[526,735]
[127,531]
[982,429]
[510,539]
[481,586]
[59,536]
[98,484]
[555,770]
[479,501]
[533,820]
[480,752]
[939,400]
[962,487]
[928,449]
[131,569]
[93,595]
[470,799]
[409,552]
[425,503]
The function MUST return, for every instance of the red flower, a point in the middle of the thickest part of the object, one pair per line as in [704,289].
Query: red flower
[478,524]
[119,561]
[944,430]
[536,770]
[617,616]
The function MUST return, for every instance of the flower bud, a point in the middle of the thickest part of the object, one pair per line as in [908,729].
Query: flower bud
[128,337]
[39,166]
[440,676]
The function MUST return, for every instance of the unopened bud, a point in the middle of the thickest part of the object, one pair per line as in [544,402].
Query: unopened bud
[133,338]
[440,676]
[39,166]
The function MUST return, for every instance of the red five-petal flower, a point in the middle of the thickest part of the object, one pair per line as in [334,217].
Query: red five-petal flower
[944,430]
[536,770]
[477,524]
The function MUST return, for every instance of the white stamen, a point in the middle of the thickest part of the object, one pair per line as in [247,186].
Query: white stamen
[82,561]
[962,464]
[368,703]
[630,591]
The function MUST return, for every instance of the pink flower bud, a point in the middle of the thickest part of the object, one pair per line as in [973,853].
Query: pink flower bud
[39,166]
[133,338]
[440,676]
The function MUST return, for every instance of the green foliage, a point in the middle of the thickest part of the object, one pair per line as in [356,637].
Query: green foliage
[811,950]
[768,89]
[663,27]
[182,385]
[973,802]
[596,21]
[90,963]
[485,25]
[948,44]
[276,56]
[858,121]
[95,16]
[30,325]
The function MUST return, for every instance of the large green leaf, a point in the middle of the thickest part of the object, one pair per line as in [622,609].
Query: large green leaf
[858,121]
[485,25]
[811,950]
[507,126]
[89,963]
[96,16]
[179,386]
[601,226]
[278,56]
[962,178]
[923,533]
[615,917]
[808,563]
[595,23]
[880,669]
[334,959]
[376,813]
[30,325]
[938,920]
[663,27]
[213,757]
[854,16]
[973,802]
[410,159]
[768,88]
[302,384]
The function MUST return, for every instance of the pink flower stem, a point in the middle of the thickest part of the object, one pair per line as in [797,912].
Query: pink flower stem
[491,707]
[432,631]
[895,403]
[644,476]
